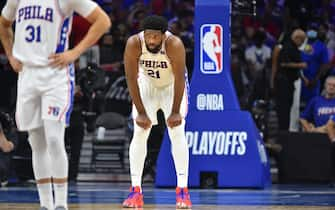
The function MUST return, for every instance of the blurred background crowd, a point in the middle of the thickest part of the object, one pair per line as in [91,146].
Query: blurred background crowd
[256,42]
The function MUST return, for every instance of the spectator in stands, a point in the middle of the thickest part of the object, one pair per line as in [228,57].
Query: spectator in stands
[288,71]
[315,54]
[111,52]
[8,80]
[318,116]
[295,108]
[258,56]
[136,15]
[175,27]
[8,142]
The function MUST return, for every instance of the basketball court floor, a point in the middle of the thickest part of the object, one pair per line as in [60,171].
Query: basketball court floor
[109,196]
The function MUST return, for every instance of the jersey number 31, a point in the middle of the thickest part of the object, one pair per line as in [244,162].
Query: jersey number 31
[33,33]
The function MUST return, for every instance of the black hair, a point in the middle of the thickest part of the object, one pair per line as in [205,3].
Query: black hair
[155,22]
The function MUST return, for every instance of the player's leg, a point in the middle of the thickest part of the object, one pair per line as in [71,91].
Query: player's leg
[137,154]
[138,145]
[28,118]
[180,155]
[54,133]
[57,102]
[41,166]
[179,148]
[28,103]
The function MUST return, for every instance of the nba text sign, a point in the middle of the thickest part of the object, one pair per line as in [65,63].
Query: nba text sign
[211,56]
[222,139]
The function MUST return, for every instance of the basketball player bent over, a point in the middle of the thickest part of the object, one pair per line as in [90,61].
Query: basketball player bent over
[46,81]
[156,75]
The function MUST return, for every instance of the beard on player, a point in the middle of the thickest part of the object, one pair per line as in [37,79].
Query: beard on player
[154,48]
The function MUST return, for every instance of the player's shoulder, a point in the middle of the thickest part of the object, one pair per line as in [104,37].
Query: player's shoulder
[173,42]
[133,46]
[173,39]
[134,41]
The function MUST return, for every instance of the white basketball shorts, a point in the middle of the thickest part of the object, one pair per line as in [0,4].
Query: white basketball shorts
[44,93]
[154,98]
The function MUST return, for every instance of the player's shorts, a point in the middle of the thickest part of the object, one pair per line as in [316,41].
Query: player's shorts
[154,98]
[44,93]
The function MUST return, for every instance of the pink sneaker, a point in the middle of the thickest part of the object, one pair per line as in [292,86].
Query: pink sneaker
[183,200]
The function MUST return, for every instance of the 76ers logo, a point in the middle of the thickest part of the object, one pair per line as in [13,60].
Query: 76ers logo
[53,110]
[211,49]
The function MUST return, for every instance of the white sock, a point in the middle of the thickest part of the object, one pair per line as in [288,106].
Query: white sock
[60,191]
[180,154]
[45,195]
[137,154]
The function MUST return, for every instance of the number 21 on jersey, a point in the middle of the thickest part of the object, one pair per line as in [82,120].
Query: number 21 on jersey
[153,74]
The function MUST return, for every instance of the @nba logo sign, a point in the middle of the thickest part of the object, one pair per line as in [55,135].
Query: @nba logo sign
[211,48]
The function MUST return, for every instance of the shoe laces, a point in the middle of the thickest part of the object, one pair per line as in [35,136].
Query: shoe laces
[182,193]
[134,191]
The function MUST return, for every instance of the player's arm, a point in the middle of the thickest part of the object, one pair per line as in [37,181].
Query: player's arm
[7,35]
[100,23]
[131,57]
[176,53]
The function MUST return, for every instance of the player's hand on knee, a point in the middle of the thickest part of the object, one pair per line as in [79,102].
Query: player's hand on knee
[143,121]
[15,63]
[174,120]
[61,60]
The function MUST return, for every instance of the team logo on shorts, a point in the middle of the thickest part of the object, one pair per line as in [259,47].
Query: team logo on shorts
[211,48]
[53,110]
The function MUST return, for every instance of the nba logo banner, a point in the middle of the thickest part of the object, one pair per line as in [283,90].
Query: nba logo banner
[211,48]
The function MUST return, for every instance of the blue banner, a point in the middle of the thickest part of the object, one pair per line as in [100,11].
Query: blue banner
[221,138]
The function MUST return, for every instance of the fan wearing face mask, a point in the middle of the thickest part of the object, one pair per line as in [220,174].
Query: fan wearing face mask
[315,54]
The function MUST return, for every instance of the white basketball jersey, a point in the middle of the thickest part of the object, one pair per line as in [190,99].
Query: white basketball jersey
[41,29]
[155,67]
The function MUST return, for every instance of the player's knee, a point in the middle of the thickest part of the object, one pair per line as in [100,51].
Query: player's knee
[36,140]
[55,144]
[177,135]
[54,134]
[140,135]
